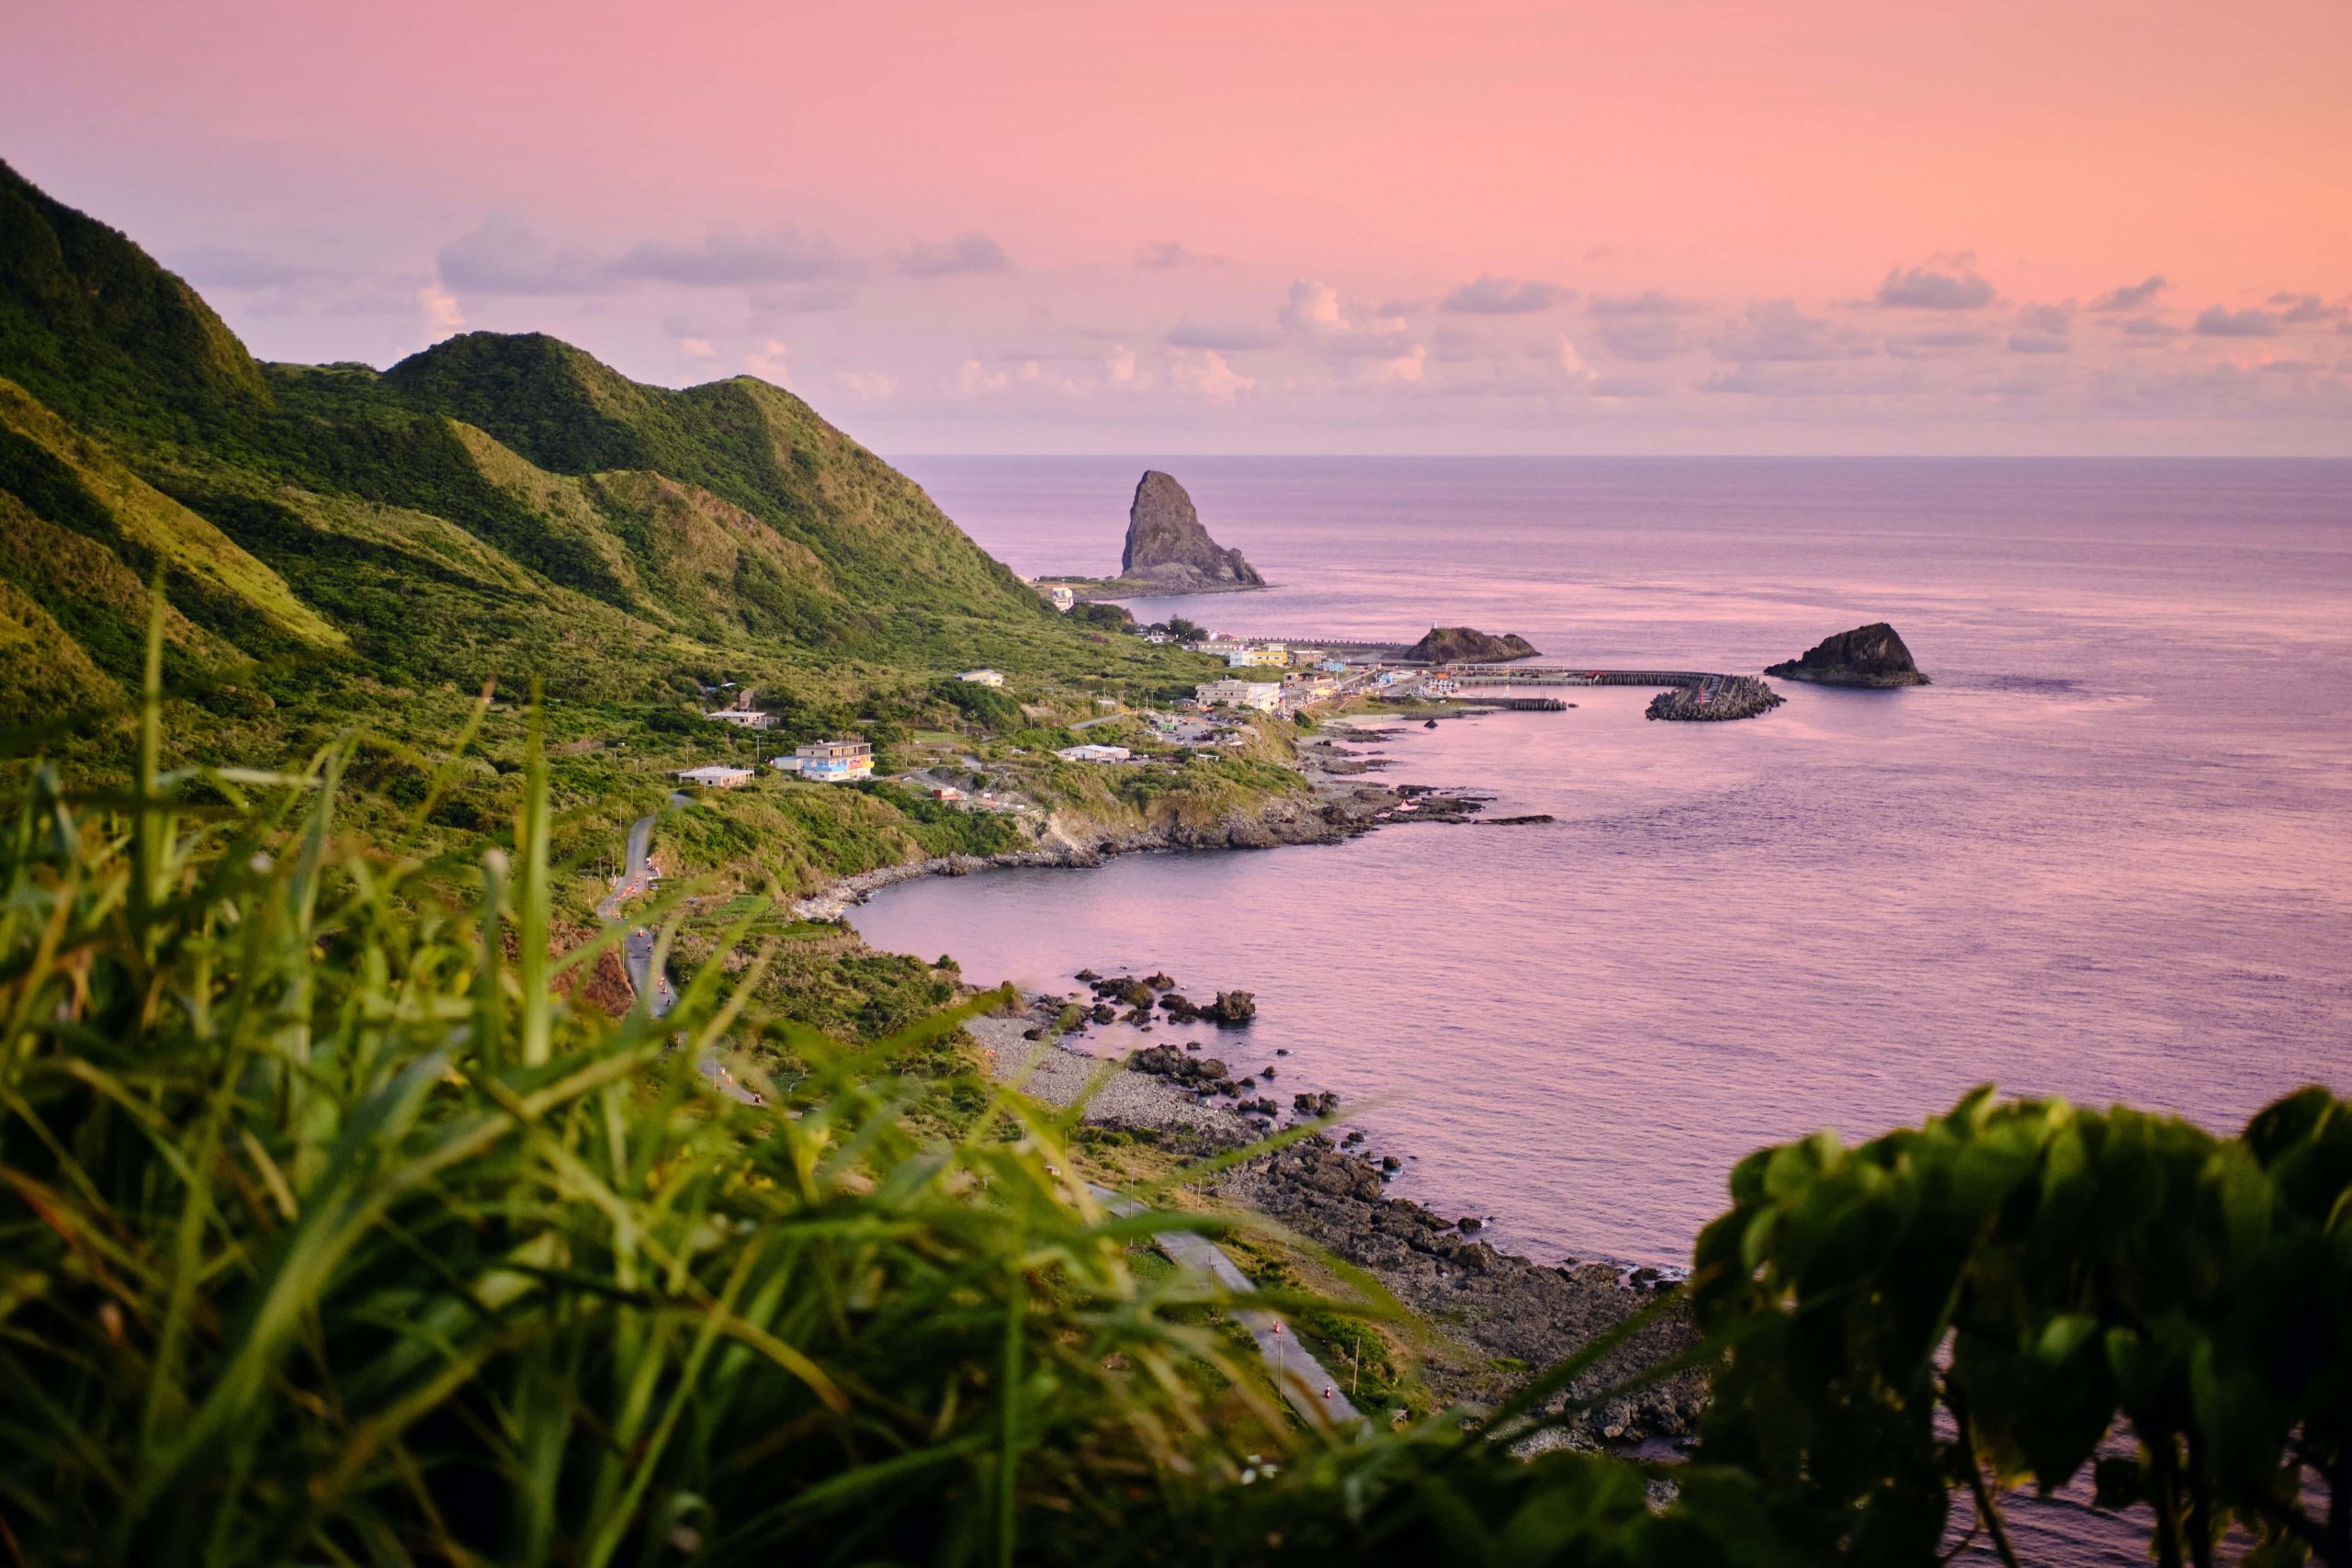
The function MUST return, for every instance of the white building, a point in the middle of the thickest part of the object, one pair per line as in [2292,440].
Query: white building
[714,777]
[1062,598]
[983,677]
[743,719]
[1091,753]
[1261,695]
[1273,655]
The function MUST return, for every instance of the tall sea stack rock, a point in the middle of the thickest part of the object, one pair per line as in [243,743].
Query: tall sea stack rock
[1867,655]
[1167,545]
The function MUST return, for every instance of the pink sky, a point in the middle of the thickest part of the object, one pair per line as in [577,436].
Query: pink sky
[1675,225]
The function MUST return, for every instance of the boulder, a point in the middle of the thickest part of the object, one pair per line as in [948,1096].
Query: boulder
[1167,546]
[1231,1007]
[1873,655]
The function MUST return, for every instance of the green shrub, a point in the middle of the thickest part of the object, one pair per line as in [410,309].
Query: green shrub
[329,1231]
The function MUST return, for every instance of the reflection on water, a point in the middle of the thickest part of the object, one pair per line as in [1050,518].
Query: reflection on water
[2104,856]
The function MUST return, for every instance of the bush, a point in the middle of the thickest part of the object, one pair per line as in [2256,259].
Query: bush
[330,1232]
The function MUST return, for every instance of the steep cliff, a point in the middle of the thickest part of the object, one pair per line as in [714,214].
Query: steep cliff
[1168,547]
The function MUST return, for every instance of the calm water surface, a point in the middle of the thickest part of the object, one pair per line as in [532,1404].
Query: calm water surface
[2105,855]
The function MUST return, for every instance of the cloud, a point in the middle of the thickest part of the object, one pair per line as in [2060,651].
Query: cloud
[1648,302]
[866,385]
[726,258]
[1627,387]
[2043,329]
[1571,361]
[1777,330]
[2149,330]
[2305,308]
[234,266]
[1314,310]
[1190,334]
[1922,289]
[504,256]
[1487,294]
[960,256]
[2217,321]
[1810,380]
[768,364]
[1166,255]
[1408,365]
[698,348]
[1312,306]
[1120,369]
[1205,374]
[1642,338]
[975,379]
[1930,346]
[806,299]
[443,318]
[2129,297]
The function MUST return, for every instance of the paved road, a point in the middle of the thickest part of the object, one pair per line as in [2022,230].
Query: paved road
[637,948]
[1312,1390]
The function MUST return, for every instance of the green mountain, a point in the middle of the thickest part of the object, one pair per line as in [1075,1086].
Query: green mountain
[493,507]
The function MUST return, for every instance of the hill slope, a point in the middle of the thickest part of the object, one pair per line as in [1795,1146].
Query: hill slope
[493,507]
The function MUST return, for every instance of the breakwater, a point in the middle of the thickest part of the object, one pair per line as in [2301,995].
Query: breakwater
[1696,694]
[1716,697]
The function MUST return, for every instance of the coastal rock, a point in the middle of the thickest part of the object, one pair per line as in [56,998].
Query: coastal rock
[1872,656]
[1167,546]
[1316,1105]
[1167,1062]
[1231,1007]
[1467,645]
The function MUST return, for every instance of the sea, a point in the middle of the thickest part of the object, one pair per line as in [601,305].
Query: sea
[2107,855]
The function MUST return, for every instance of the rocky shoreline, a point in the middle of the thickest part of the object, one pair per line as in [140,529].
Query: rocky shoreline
[1337,807]
[1508,1314]
[1505,1314]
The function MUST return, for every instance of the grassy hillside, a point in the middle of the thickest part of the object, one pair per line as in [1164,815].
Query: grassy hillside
[343,547]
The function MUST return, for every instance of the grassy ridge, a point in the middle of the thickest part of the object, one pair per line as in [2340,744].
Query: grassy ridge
[349,552]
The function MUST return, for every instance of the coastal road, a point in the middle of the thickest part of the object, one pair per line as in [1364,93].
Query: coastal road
[637,949]
[1312,1390]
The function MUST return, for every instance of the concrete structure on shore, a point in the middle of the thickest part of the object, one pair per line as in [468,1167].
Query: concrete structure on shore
[714,776]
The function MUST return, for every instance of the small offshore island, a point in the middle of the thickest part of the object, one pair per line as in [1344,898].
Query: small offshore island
[1871,656]
[1168,551]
